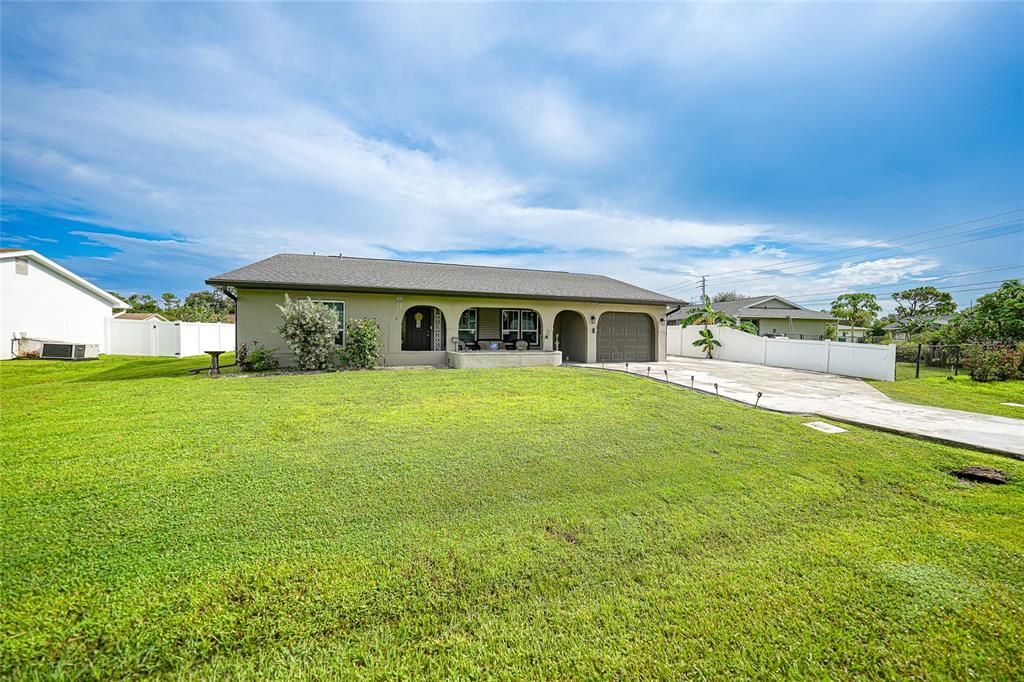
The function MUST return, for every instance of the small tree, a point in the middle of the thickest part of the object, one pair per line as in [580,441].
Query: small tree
[707,342]
[309,328]
[362,344]
[857,310]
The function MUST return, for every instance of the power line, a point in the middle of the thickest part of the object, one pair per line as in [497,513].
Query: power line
[929,248]
[897,283]
[952,289]
[814,266]
[878,243]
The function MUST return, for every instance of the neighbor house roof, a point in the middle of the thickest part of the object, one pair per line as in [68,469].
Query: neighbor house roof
[749,308]
[139,316]
[298,271]
[112,300]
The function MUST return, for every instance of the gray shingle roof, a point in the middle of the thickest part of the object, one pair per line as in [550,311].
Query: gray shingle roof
[743,308]
[300,271]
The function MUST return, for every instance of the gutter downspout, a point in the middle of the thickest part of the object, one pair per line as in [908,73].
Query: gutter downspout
[234,297]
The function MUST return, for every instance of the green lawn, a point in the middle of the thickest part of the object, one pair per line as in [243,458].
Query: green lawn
[957,393]
[549,523]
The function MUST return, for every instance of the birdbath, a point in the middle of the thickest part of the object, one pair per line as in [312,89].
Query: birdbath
[214,360]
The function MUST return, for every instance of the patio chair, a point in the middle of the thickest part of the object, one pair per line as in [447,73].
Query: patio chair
[491,344]
[460,345]
[522,345]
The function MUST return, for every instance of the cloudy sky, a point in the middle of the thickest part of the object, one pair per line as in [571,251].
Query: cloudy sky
[785,148]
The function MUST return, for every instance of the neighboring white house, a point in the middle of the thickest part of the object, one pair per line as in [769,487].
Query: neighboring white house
[42,300]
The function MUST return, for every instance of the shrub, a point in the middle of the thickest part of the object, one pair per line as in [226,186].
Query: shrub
[995,364]
[259,359]
[309,328]
[362,344]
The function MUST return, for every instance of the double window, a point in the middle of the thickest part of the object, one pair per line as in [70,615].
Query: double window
[520,324]
[468,326]
[338,307]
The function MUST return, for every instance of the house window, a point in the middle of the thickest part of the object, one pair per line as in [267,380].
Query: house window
[21,266]
[509,326]
[520,324]
[338,307]
[530,323]
[467,326]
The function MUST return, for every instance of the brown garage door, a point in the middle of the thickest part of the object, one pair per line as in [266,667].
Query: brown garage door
[625,337]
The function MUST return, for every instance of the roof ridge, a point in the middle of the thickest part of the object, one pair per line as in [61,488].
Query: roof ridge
[436,262]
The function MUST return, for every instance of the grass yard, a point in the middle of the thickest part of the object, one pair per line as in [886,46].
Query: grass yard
[544,523]
[959,393]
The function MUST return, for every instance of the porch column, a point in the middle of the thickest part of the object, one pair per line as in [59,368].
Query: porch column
[592,332]
[452,312]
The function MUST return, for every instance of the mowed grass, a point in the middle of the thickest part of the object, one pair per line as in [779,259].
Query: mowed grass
[549,523]
[937,387]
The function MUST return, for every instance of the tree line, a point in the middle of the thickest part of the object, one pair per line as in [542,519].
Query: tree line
[208,305]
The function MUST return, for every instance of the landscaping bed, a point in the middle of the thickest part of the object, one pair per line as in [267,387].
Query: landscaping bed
[545,523]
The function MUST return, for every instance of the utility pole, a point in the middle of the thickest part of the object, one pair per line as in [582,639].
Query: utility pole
[703,288]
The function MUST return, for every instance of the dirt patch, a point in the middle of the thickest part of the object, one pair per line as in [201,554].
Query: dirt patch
[980,474]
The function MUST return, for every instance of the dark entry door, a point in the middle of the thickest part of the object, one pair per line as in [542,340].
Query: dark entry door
[418,329]
[625,337]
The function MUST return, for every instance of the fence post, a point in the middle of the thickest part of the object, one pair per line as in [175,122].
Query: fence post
[956,363]
[917,370]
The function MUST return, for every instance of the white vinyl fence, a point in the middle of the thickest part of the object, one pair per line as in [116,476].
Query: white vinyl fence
[168,339]
[865,360]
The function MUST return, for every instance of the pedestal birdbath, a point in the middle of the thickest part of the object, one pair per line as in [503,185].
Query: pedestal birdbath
[214,360]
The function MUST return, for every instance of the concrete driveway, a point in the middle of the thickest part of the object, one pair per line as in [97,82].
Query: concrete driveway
[841,398]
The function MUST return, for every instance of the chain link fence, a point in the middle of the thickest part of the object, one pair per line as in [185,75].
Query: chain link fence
[932,358]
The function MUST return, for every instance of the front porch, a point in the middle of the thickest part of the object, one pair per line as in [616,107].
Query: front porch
[478,359]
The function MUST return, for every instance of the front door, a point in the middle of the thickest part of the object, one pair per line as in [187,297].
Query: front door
[418,328]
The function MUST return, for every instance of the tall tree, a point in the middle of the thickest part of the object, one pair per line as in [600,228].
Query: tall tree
[170,300]
[210,298]
[725,296]
[857,310]
[923,301]
[997,316]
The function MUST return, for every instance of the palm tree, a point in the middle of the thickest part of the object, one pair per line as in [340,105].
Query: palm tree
[707,342]
[708,316]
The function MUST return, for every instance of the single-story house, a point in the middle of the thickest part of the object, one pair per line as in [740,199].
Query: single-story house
[894,327]
[773,316]
[43,301]
[446,314]
[144,317]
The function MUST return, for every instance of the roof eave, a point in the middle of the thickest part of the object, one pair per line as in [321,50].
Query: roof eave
[214,281]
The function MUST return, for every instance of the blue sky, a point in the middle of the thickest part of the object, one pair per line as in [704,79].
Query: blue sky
[149,146]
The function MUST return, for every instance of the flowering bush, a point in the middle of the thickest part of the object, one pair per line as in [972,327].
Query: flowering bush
[309,328]
[362,344]
[995,364]
[256,359]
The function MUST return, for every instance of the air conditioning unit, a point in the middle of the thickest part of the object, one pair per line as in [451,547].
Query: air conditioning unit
[70,351]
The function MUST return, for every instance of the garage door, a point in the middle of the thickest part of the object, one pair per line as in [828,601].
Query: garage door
[625,337]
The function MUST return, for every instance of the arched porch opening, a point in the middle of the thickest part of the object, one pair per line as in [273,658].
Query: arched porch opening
[570,335]
[423,329]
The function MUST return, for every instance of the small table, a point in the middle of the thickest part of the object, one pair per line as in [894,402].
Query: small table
[214,360]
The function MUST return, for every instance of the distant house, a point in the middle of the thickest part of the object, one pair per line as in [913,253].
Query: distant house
[140,316]
[773,316]
[44,301]
[894,327]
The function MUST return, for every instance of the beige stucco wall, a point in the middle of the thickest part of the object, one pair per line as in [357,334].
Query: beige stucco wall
[789,326]
[257,315]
